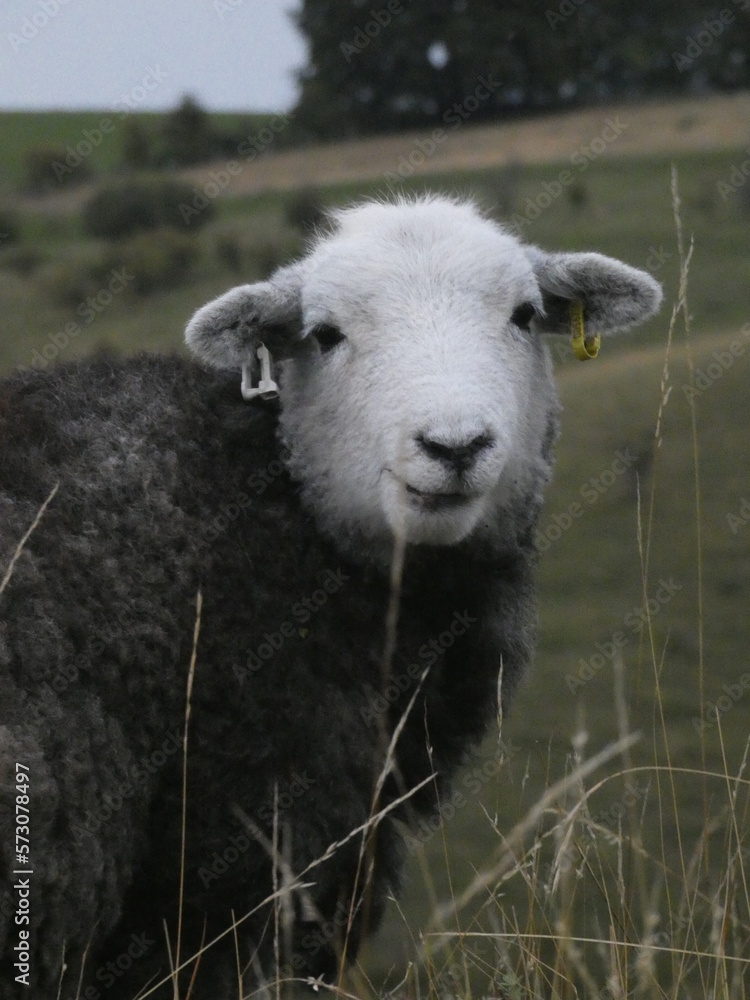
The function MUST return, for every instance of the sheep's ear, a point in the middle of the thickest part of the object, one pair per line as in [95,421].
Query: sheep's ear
[614,295]
[226,333]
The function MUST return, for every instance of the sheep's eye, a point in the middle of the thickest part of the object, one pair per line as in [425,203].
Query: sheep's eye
[522,315]
[327,336]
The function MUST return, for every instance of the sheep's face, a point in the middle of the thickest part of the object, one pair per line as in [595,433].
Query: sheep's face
[410,404]
[416,395]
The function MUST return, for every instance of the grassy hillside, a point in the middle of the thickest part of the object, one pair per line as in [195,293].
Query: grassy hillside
[623,210]
[633,519]
[22,131]
[666,128]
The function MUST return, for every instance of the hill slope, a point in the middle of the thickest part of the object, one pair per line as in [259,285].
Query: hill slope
[667,127]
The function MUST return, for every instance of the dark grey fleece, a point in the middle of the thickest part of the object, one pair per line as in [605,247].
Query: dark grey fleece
[169,484]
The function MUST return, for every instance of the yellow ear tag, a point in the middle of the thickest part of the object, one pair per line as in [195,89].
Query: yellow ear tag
[583,347]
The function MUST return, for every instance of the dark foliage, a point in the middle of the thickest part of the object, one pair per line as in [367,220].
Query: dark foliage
[415,63]
[131,206]
[170,484]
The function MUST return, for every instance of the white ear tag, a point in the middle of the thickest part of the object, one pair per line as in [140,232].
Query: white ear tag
[266,387]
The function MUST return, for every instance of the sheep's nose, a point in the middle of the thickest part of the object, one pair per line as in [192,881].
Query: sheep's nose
[457,455]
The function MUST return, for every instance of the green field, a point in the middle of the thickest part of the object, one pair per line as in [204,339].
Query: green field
[21,131]
[627,213]
[663,522]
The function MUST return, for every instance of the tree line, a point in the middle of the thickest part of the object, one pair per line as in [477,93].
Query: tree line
[384,65]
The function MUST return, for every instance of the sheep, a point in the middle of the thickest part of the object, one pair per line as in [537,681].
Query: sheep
[407,453]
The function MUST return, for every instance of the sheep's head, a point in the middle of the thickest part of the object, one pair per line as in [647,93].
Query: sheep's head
[416,388]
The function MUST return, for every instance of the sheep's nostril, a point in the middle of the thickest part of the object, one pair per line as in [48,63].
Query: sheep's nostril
[459,455]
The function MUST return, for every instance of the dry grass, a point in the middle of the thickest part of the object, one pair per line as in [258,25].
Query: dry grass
[22,544]
[676,126]
[669,126]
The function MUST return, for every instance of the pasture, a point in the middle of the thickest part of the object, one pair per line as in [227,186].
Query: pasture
[630,880]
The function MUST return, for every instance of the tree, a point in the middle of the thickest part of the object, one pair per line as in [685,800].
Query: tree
[187,134]
[137,145]
[410,63]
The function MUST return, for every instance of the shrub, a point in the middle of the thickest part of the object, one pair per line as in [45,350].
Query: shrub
[157,261]
[70,282]
[303,210]
[578,195]
[24,260]
[10,227]
[137,145]
[229,252]
[704,198]
[187,134]
[51,166]
[130,207]
[149,262]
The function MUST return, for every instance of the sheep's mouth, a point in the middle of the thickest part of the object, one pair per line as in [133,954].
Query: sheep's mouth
[435,502]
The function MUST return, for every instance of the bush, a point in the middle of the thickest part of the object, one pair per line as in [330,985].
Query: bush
[577,195]
[51,166]
[72,281]
[137,145]
[10,227]
[229,252]
[24,260]
[130,207]
[303,210]
[187,134]
[157,261]
[147,262]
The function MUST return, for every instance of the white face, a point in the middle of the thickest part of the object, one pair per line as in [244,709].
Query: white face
[418,403]
[417,407]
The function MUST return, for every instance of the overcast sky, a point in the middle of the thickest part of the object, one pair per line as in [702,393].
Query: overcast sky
[230,54]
